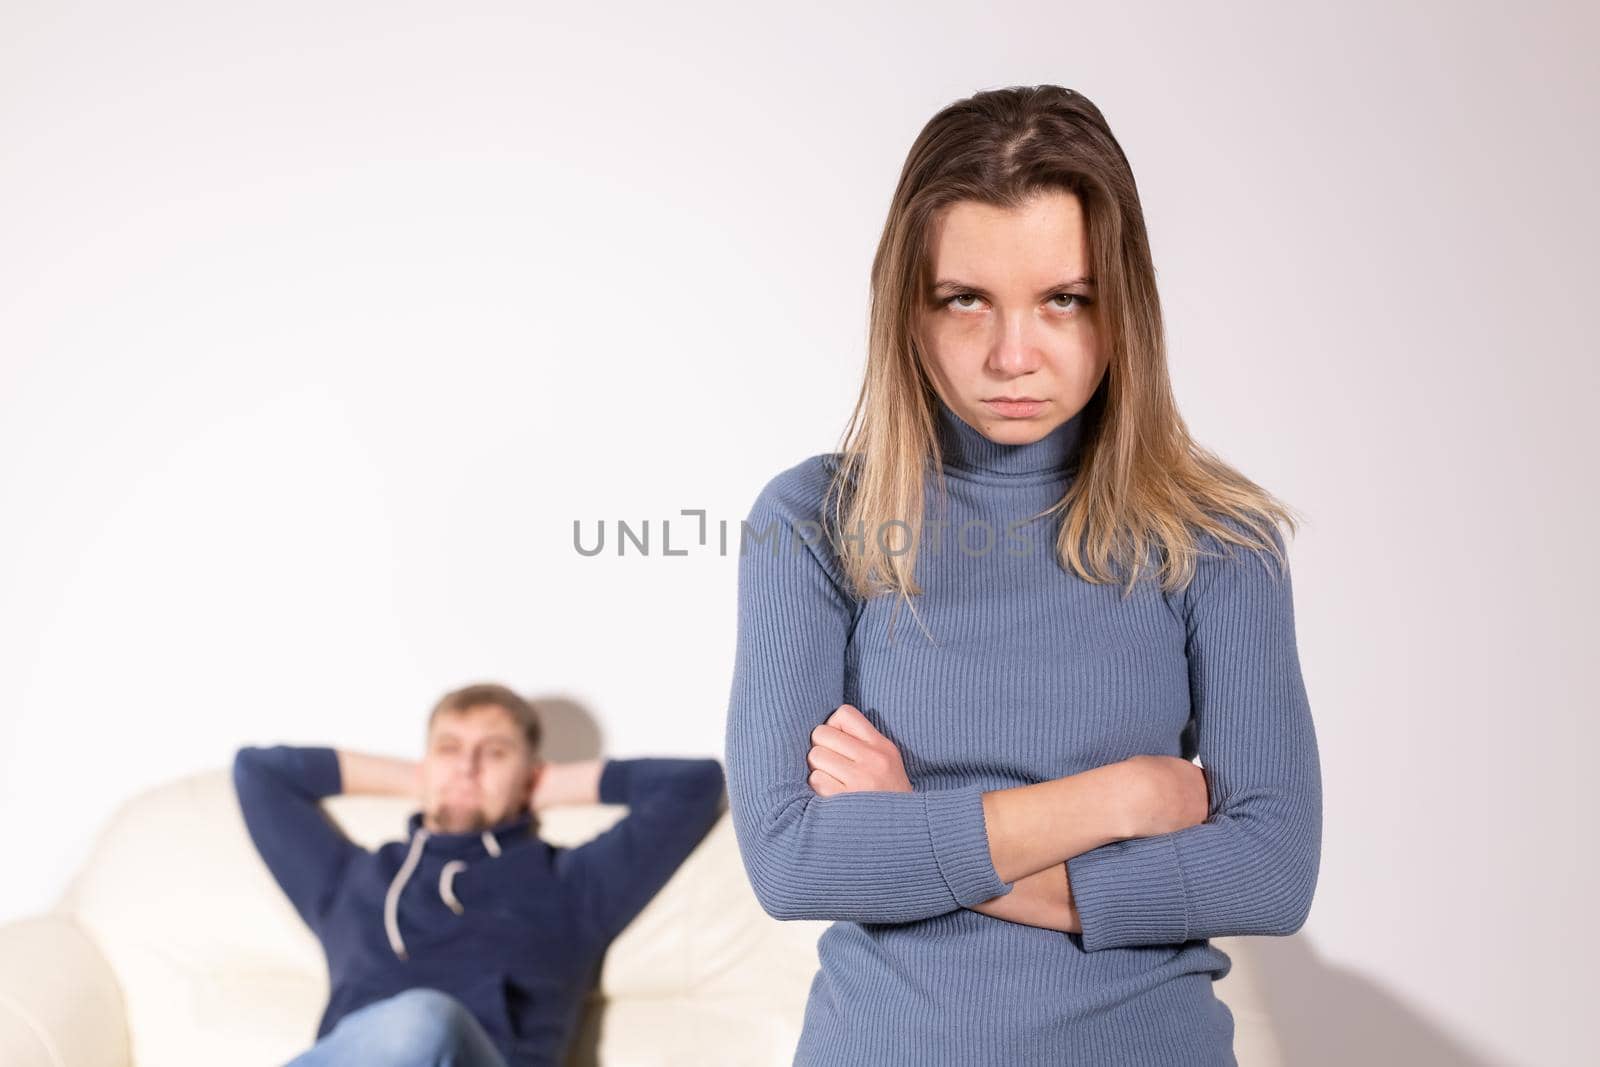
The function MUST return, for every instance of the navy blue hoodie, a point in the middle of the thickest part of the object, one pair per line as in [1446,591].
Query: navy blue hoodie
[514,927]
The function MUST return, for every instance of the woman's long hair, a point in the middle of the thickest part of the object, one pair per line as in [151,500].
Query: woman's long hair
[1143,487]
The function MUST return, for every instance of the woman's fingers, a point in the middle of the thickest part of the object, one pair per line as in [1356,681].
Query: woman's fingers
[849,719]
[832,763]
[824,784]
[841,742]
[853,755]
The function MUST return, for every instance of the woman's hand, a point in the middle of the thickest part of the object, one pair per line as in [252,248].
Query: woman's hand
[849,755]
[1165,794]
[1043,899]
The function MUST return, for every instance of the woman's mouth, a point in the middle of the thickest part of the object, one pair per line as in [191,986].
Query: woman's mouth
[1016,407]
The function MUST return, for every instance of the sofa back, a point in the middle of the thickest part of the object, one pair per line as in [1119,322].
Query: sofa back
[215,965]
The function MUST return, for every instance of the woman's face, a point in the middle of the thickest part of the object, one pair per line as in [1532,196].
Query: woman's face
[1009,327]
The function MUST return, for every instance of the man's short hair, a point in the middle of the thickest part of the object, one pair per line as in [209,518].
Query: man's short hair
[490,693]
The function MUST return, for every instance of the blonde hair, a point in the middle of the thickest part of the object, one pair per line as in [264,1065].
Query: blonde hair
[1143,486]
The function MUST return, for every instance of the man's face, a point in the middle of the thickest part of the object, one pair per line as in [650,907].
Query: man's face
[478,770]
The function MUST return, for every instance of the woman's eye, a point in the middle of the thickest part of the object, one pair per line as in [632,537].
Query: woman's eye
[1080,301]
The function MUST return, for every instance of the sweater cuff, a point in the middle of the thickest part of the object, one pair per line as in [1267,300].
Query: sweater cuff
[325,773]
[314,769]
[616,778]
[1130,893]
[961,845]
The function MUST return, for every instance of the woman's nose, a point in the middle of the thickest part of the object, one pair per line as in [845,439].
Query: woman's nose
[1014,351]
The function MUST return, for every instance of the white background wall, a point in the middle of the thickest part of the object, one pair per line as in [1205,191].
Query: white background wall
[321,323]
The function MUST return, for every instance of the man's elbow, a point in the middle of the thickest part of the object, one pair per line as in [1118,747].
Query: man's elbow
[700,790]
[246,765]
[707,780]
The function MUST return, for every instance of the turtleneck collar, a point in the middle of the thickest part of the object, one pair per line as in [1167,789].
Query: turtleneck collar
[963,447]
[473,842]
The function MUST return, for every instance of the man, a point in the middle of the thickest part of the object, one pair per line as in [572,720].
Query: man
[472,943]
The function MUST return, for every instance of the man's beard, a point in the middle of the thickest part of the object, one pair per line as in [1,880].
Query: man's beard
[457,819]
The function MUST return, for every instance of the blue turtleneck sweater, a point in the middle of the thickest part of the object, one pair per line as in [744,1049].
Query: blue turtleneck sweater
[1030,674]
[512,926]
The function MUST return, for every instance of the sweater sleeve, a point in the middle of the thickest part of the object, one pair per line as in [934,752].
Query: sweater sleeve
[1251,867]
[279,790]
[672,804]
[874,856]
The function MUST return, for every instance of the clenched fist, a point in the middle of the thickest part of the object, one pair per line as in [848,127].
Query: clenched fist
[849,755]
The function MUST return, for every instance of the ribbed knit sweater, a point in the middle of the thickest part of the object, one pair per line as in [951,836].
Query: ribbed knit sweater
[1031,674]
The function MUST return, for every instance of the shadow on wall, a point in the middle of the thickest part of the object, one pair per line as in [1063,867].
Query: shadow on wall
[1329,1016]
[570,732]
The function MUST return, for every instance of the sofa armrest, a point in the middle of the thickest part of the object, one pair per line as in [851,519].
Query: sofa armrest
[60,1005]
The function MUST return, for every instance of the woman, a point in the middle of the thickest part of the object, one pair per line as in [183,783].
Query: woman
[998,806]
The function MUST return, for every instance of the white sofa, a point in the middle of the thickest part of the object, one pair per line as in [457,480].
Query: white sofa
[173,947]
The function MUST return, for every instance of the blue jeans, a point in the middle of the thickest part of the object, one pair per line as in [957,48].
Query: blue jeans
[416,1028]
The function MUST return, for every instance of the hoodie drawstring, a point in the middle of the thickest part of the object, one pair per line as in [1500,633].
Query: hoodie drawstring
[391,900]
[445,892]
